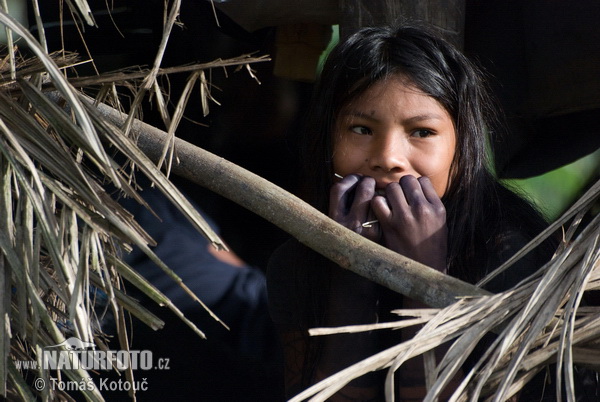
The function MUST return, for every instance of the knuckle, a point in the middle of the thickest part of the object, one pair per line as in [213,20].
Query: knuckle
[422,210]
[405,217]
[416,194]
[440,210]
[362,192]
[336,190]
[368,181]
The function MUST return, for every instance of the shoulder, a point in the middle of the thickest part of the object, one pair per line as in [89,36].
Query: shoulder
[503,247]
[512,225]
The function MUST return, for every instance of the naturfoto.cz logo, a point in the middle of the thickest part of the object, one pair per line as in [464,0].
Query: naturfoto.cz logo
[74,353]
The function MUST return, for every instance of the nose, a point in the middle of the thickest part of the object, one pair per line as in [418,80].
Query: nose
[389,154]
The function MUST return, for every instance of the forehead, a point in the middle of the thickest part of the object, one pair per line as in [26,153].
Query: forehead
[393,94]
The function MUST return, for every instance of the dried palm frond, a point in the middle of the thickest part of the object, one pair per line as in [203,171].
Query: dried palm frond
[63,233]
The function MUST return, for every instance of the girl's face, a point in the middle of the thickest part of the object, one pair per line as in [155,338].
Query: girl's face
[392,130]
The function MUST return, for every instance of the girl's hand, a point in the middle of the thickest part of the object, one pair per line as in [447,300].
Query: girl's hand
[350,205]
[413,221]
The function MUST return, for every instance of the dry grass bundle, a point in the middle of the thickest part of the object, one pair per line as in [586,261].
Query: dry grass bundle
[63,233]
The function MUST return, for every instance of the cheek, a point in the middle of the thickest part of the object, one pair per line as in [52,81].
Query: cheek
[344,157]
[440,171]
[440,182]
[445,169]
[340,160]
[335,157]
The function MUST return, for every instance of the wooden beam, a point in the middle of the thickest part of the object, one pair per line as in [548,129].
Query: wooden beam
[448,15]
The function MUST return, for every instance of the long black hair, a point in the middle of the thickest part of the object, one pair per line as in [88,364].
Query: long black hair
[479,209]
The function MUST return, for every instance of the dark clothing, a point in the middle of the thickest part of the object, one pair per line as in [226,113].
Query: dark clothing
[242,363]
[237,295]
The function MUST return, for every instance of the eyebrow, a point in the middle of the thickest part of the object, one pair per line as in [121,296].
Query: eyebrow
[423,117]
[355,113]
[413,119]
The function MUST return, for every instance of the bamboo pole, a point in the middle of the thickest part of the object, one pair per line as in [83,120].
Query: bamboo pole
[309,226]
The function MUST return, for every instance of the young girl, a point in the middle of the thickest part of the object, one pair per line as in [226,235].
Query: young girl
[396,151]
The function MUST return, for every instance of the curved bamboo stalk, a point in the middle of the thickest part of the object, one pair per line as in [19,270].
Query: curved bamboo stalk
[309,226]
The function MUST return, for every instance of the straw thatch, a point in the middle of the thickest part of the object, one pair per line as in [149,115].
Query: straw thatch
[62,234]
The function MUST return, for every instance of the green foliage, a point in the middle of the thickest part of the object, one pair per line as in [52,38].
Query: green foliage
[554,191]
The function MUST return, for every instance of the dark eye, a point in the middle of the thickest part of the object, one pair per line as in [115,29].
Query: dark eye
[422,133]
[362,130]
